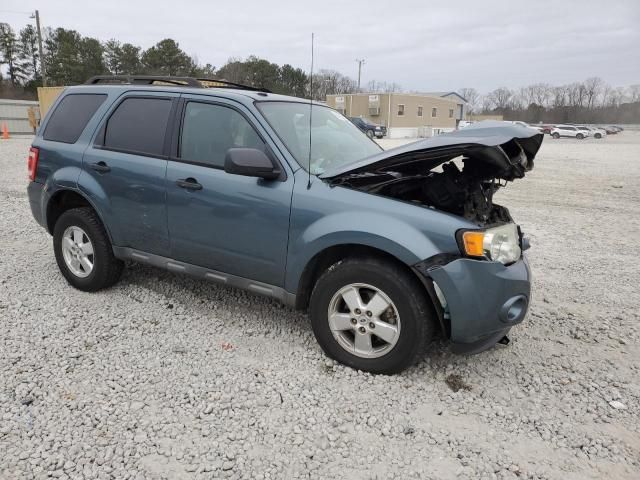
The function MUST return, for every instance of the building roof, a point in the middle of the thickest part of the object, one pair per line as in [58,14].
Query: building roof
[446,94]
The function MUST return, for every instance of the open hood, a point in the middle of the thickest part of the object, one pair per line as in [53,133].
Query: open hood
[499,150]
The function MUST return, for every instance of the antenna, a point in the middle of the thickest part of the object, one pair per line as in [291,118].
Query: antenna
[310,114]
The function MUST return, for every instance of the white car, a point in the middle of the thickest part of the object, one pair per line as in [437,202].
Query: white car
[528,125]
[569,131]
[595,132]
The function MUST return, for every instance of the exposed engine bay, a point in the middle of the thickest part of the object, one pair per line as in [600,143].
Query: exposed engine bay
[464,192]
[460,179]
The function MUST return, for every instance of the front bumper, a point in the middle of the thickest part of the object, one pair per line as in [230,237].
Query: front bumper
[483,299]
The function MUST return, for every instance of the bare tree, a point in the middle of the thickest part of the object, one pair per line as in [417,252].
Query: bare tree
[559,96]
[592,88]
[502,98]
[383,87]
[487,103]
[472,97]
[634,93]
[542,94]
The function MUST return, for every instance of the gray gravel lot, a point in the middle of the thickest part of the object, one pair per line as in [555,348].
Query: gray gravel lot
[166,377]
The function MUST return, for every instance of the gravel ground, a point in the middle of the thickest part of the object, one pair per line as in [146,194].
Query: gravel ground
[166,377]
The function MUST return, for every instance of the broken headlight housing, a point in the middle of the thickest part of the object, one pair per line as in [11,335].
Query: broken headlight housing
[500,244]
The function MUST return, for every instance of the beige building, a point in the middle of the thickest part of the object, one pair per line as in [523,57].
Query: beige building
[404,114]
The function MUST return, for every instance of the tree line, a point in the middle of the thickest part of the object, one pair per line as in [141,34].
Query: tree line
[590,101]
[71,58]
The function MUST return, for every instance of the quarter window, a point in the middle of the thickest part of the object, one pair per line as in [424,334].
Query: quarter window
[208,131]
[434,112]
[138,125]
[400,110]
[420,111]
[71,116]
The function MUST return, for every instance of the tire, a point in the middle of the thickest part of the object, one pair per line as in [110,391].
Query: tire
[579,136]
[598,135]
[556,135]
[105,269]
[414,319]
[370,133]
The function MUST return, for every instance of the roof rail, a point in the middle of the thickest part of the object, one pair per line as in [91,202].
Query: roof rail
[170,80]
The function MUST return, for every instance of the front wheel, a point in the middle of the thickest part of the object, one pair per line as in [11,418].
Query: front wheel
[371,315]
[598,135]
[556,135]
[83,251]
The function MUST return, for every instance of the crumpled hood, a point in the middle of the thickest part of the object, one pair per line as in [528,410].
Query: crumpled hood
[505,150]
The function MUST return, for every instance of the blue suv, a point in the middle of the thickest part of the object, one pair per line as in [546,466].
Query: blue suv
[288,199]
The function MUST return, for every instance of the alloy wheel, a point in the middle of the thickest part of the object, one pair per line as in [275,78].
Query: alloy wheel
[363,320]
[77,251]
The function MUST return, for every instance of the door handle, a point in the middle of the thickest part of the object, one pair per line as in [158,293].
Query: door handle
[100,167]
[189,183]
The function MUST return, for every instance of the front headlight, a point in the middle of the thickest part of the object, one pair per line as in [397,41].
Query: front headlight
[500,244]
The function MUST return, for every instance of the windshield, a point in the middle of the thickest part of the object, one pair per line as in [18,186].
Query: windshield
[335,141]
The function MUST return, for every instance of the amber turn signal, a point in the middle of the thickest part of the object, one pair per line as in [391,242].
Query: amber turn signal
[473,243]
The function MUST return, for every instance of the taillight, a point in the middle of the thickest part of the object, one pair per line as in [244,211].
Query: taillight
[32,162]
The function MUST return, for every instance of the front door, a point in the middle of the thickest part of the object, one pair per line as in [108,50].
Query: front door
[126,166]
[230,223]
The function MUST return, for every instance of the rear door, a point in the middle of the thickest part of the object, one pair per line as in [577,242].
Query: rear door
[229,223]
[124,170]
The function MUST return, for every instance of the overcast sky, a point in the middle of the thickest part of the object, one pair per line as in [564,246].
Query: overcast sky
[422,45]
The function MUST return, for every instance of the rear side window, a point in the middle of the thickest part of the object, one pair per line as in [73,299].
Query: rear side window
[208,131]
[71,116]
[138,125]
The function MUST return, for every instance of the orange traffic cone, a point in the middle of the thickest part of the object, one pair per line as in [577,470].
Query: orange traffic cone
[5,131]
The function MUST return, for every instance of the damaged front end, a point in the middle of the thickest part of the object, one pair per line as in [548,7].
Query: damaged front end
[482,290]
[457,173]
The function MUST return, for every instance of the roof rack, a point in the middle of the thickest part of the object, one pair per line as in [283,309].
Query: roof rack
[170,80]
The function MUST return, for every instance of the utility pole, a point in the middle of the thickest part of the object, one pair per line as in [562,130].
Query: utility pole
[360,63]
[42,70]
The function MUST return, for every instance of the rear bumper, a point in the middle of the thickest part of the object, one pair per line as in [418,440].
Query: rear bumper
[35,192]
[483,299]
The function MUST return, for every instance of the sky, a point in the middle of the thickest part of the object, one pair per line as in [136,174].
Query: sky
[421,45]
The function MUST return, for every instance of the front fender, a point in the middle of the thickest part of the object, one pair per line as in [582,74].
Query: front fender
[380,231]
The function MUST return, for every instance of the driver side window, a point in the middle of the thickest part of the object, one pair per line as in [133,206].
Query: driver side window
[208,131]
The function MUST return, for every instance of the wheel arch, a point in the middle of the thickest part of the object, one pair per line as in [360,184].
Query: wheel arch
[65,199]
[335,253]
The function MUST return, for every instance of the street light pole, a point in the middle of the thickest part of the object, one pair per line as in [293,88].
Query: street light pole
[360,63]
[42,70]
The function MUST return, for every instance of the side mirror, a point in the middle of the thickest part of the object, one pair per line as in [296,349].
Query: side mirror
[250,162]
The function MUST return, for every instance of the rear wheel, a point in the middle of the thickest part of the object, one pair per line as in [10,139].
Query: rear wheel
[83,251]
[370,133]
[555,135]
[371,315]
[579,136]
[598,135]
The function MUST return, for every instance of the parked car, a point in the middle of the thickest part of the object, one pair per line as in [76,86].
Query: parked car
[568,131]
[371,129]
[612,129]
[383,248]
[595,132]
[546,128]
